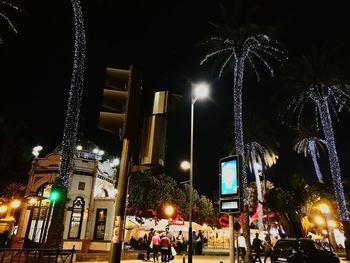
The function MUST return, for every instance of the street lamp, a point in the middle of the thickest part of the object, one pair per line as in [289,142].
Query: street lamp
[36,150]
[199,91]
[169,210]
[185,165]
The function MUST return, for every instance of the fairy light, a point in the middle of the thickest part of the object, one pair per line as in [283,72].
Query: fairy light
[326,97]
[75,96]
[257,155]
[6,18]
[310,145]
[235,55]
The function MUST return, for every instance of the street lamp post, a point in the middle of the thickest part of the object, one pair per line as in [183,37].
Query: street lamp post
[199,91]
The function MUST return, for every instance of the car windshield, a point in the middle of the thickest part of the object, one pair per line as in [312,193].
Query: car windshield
[285,244]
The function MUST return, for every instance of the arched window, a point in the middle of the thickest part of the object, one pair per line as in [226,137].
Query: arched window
[76,219]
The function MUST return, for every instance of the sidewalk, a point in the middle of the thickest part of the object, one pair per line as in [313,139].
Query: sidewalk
[196,259]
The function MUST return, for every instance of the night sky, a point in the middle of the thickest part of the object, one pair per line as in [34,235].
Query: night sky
[160,39]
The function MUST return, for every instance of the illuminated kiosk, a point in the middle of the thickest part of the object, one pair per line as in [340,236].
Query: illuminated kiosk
[90,208]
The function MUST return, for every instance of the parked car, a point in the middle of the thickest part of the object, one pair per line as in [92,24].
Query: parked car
[301,250]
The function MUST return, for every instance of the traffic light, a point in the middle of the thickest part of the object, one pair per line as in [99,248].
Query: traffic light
[54,195]
[121,102]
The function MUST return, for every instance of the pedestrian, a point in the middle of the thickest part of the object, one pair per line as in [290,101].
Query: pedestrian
[179,242]
[267,247]
[172,241]
[199,243]
[241,246]
[194,242]
[155,246]
[257,247]
[148,243]
[164,247]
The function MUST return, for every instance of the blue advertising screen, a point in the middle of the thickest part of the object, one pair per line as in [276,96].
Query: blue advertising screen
[229,182]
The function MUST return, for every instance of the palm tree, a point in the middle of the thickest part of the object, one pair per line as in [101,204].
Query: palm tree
[4,5]
[317,79]
[260,153]
[238,47]
[307,142]
[258,157]
[71,126]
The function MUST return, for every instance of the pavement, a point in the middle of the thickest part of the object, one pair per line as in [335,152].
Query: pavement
[196,259]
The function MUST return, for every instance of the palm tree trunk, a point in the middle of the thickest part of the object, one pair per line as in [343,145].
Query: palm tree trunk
[335,169]
[55,234]
[317,168]
[239,146]
[259,193]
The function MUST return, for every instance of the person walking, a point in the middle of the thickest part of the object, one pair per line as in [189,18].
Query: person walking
[164,248]
[257,247]
[194,242]
[148,243]
[241,246]
[155,246]
[267,247]
[199,243]
[179,242]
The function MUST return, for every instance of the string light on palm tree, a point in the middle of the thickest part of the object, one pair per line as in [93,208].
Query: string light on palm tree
[314,82]
[235,50]
[5,4]
[308,143]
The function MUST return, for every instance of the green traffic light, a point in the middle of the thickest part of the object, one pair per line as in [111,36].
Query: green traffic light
[54,196]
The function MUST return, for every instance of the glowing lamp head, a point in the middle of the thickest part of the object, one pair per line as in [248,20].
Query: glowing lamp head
[319,220]
[101,152]
[201,90]
[324,208]
[169,210]
[3,209]
[54,196]
[79,147]
[185,165]
[332,223]
[115,162]
[95,151]
[36,150]
[15,203]
[324,231]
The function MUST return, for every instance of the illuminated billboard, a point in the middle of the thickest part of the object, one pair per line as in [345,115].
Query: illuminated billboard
[229,171]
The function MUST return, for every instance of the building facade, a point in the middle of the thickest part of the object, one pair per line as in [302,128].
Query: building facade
[90,207]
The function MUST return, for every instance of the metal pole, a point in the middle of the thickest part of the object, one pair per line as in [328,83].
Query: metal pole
[117,240]
[232,238]
[190,245]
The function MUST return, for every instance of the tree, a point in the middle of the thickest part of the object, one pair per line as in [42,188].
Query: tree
[318,77]
[150,193]
[70,127]
[288,202]
[237,47]
[260,153]
[307,142]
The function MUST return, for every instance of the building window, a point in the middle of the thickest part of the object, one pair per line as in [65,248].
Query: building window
[100,225]
[76,219]
[81,186]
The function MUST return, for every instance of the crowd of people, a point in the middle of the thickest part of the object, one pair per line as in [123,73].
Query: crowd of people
[165,245]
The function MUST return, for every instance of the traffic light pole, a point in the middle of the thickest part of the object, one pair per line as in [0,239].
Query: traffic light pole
[117,240]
